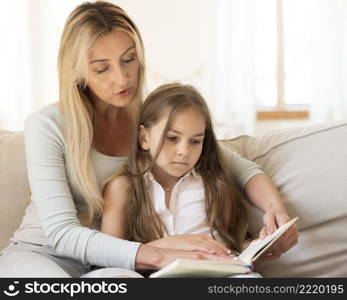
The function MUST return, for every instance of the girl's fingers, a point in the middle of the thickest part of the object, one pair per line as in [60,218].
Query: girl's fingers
[209,245]
[200,242]
[213,256]
[220,246]
[263,233]
[213,249]
[207,248]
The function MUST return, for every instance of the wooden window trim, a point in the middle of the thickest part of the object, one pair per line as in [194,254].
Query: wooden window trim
[282,115]
[282,111]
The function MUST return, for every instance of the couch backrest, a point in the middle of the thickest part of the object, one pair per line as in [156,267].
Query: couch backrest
[309,167]
[14,188]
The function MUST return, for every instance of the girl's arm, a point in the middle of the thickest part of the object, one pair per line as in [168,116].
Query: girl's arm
[113,223]
[115,197]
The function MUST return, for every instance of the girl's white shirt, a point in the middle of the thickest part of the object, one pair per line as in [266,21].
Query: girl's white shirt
[186,212]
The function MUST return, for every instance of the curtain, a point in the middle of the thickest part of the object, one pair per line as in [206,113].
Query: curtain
[329,61]
[234,76]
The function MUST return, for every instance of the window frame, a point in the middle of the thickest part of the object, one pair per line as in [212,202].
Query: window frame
[281,110]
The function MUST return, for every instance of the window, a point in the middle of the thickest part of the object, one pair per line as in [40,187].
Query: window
[283,60]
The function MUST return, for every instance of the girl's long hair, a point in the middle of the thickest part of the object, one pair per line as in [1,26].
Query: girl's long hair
[86,23]
[225,211]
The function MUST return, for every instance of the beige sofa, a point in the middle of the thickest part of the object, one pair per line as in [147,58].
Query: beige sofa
[308,165]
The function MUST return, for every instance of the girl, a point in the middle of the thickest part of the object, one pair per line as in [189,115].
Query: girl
[177,190]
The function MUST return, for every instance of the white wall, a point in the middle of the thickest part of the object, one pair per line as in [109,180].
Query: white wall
[178,37]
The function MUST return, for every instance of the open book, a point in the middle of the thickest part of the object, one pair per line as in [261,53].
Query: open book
[222,268]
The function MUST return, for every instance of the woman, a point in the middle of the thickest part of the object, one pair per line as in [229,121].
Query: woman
[74,145]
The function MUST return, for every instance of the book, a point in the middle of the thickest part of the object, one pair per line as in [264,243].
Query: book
[257,247]
[202,268]
[222,268]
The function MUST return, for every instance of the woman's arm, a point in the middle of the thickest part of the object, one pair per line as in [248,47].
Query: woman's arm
[263,194]
[51,194]
[241,168]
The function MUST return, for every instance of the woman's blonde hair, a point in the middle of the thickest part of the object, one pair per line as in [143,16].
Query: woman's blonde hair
[225,211]
[86,23]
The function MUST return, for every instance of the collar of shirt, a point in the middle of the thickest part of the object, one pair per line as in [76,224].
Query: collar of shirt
[149,177]
[185,211]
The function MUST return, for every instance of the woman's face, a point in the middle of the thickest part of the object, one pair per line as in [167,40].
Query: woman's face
[113,69]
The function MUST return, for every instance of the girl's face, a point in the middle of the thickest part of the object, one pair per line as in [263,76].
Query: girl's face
[182,146]
[113,69]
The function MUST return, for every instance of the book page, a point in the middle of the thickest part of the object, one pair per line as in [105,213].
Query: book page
[202,268]
[258,247]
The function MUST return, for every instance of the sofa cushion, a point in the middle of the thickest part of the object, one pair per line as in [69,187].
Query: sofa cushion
[14,188]
[308,166]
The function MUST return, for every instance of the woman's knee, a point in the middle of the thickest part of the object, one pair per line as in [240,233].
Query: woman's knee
[29,264]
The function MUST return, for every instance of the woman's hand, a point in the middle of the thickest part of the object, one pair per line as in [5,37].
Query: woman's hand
[273,220]
[192,242]
[264,194]
[154,258]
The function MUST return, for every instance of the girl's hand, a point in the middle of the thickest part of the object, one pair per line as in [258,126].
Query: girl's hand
[192,242]
[272,221]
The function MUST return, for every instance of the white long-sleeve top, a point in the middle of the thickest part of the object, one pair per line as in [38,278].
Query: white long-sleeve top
[51,217]
[186,213]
